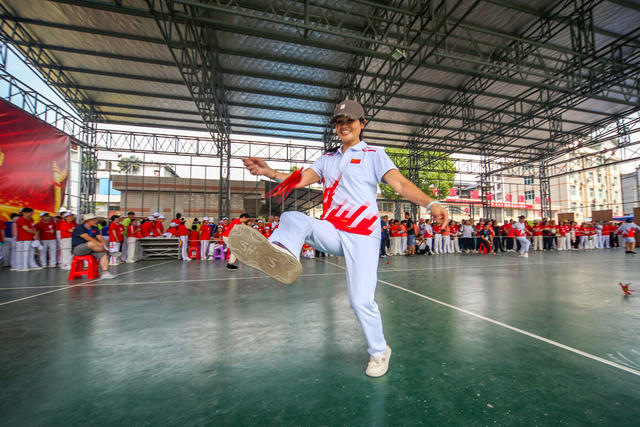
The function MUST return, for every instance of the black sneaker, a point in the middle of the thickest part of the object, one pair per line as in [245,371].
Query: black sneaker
[232,267]
[632,252]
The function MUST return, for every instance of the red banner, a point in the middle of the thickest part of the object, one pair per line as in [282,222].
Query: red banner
[34,162]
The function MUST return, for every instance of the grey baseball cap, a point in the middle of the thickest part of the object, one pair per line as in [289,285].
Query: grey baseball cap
[348,108]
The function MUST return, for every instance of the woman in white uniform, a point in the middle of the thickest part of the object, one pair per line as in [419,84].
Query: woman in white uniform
[521,236]
[349,225]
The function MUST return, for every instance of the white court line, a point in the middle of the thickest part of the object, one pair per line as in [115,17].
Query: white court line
[460,267]
[79,284]
[177,282]
[513,328]
[32,287]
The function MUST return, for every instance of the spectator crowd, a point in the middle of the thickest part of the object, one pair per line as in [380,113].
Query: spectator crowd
[52,241]
[408,237]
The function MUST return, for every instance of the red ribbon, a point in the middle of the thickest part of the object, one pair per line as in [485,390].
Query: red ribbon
[287,186]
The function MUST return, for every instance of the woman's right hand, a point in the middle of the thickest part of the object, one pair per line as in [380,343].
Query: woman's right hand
[257,166]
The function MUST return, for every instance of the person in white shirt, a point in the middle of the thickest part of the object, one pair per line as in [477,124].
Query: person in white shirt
[467,235]
[349,225]
[521,236]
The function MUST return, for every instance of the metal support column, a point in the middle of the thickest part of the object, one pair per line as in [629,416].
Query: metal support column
[486,188]
[88,169]
[545,191]
[194,48]
[414,176]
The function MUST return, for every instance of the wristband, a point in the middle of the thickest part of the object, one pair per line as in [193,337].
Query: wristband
[429,205]
[275,174]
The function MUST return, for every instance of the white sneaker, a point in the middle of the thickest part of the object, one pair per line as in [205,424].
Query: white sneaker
[378,365]
[253,249]
[107,275]
[526,255]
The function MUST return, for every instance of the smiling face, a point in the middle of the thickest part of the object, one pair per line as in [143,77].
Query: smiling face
[349,130]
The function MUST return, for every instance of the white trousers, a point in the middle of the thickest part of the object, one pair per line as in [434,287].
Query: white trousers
[232,257]
[114,247]
[597,241]
[7,251]
[456,245]
[184,247]
[437,243]
[361,260]
[49,251]
[561,243]
[204,248]
[537,243]
[524,244]
[132,249]
[65,253]
[25,256]
[396,246]
[605,241]
[446,244]
[123,249]
[430,243]
[584,242]
[403,245]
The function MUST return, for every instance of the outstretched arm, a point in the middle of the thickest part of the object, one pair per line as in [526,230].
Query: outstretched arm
[411,192]
[259,167]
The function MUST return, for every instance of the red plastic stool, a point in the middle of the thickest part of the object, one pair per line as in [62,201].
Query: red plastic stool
[194,252]
[78,270]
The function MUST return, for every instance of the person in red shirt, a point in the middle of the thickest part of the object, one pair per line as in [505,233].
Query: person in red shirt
[27,233]
[133,234]
[65,231]
[606,235]
[177,219]
[266,232]
[205,238]
[437,238]
[394,237]
[455,241]
[47,233]
[537,236]
[183,235]
[232,258]
[116,236]
[562,234]
[158,226]
[146,228]
[194,237]
[173,229]
[446,239]
[403,237]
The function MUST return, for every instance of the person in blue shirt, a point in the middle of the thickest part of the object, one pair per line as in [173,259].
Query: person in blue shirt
[87,240]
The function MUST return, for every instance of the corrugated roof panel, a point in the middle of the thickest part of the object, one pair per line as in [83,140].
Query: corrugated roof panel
[269,95]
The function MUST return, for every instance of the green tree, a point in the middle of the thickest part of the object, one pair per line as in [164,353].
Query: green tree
[439,175]
[130,165]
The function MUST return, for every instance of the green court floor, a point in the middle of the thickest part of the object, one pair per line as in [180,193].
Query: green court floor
[476,340]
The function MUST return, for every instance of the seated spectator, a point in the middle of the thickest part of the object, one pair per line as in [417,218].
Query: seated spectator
[87,240]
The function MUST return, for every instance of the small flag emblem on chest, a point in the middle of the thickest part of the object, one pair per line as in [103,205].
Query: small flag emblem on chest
[355,161]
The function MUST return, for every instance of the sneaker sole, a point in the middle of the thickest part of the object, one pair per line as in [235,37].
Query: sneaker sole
[254,250]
